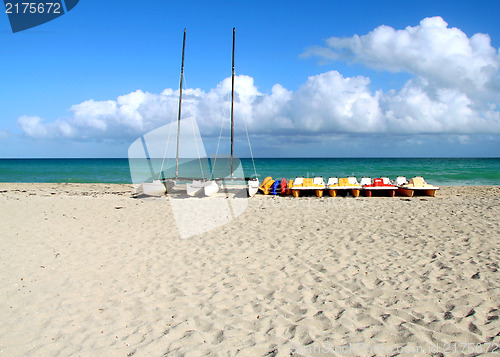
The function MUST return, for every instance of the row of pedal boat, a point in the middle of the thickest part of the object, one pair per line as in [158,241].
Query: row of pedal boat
[348,185]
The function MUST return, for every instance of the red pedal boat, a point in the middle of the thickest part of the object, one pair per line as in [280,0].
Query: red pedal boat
[382,184]
[283,186]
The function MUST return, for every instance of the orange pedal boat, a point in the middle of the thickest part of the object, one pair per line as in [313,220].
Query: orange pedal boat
[417,185]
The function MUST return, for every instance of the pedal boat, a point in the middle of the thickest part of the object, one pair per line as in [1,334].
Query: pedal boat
[349,184]
[304,184]
[289,185]
[276,188]
[416,186]
[284,185]
[267,185]
[382,184]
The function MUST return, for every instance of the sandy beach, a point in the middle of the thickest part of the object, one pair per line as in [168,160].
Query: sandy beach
[88,270]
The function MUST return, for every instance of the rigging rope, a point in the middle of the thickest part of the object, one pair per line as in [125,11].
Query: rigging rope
[198,151]
[196,139]
[249,146]
[218,142]
[166,147]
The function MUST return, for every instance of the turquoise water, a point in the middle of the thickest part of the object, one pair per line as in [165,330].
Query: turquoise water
[438,171]
[65,170]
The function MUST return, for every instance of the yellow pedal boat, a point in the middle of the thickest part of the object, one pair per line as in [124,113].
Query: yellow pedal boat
[266,185]
[304,184]
[349,184]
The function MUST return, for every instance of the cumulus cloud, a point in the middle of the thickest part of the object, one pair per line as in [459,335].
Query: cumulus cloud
[33,126]
[432,50]
[455,89]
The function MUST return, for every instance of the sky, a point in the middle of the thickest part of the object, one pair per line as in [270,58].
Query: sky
[313,78]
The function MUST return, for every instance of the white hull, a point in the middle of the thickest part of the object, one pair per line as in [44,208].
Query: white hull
[253,187]
[210,188]
[154,188]
[197,187]
[194,188]
[169,184]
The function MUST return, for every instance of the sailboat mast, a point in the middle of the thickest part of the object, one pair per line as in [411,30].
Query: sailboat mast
[232,107]
[180,103]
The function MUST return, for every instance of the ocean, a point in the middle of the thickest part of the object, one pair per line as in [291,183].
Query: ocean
[438,171]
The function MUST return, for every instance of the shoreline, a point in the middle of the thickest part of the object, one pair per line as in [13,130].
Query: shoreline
[87,269]
[437,171]
[121,189]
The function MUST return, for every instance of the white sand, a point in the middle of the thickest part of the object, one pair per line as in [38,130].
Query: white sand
[86,270]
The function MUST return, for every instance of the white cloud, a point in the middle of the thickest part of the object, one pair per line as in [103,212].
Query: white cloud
[33,126]
[334,104]
[413,110]
[431,50]
[455,90]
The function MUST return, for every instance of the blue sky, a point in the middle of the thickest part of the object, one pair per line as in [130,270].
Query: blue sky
[322,78]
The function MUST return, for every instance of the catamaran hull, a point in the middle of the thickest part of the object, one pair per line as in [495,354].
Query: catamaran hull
[210,188]
[197,188]
[253,187]
[154,188]
[193,189]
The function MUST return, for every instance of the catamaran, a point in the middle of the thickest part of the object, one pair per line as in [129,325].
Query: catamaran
[195,186]
[252,182]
